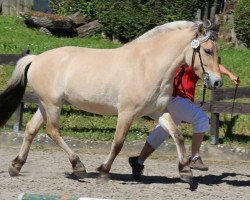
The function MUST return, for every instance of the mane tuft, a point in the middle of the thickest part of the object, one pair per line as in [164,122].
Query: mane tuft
[171,26]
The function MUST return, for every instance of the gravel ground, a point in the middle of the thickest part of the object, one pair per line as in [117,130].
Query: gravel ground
[44,173]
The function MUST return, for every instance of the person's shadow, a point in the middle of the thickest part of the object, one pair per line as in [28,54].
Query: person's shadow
[206,180]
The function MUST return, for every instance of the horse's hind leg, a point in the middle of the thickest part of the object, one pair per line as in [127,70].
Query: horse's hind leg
[53,132]
[31,130]
[168,124]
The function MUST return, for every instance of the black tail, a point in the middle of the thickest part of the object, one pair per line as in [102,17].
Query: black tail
[11,98]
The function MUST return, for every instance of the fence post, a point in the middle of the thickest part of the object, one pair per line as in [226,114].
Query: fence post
[214,129]
[214,121]
[19,111]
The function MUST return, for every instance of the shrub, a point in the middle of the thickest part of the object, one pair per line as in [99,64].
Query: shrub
[66,7]
[242,22]
[127,19]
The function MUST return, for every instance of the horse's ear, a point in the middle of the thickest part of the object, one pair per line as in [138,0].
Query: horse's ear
[200,28]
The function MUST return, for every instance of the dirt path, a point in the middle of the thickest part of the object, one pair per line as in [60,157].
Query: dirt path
[44,173]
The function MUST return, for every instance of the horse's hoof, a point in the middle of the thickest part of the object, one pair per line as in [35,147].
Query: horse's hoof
[104,174]
[187,179]
[185,172]
[102,169]
[80,172]
[13,171]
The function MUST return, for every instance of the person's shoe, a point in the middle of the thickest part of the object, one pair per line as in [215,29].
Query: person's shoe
[197,164]
[137,169]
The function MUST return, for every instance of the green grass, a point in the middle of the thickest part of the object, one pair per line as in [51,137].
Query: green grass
[14,36]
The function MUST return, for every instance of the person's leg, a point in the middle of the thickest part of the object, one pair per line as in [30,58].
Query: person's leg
[154,140]
[189,112]
[195,159]
[197,139]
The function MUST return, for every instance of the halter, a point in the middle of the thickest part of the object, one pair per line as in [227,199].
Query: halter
[195,44]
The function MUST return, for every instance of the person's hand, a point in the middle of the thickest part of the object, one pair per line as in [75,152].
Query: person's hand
[235,79]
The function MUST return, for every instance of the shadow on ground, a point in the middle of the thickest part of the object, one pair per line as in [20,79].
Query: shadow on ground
[206,180]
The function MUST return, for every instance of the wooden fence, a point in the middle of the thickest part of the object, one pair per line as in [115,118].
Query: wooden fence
[14,7]
[215,106]
[218,105]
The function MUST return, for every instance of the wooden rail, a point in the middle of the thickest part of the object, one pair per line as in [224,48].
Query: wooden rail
[215,106]
[218,106]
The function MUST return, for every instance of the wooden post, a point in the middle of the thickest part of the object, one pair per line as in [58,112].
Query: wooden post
[19,111]
[214,128]
[19,118]
[214,121]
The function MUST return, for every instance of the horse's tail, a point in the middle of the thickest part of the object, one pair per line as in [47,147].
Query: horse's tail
[12,96]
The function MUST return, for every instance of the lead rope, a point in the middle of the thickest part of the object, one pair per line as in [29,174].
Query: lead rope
[204,85]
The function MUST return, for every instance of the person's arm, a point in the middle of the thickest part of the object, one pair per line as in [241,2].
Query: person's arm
[225,71]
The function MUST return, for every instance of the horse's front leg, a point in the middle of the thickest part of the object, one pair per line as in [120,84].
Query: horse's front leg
[168,125]
[124,122]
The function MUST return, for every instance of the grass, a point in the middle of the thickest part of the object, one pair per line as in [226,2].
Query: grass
[78,124]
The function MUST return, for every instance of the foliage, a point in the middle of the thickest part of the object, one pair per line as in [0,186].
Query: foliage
[125,20]
[242,22]
[66,7]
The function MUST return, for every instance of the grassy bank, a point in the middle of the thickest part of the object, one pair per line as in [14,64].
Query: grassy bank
[74,123]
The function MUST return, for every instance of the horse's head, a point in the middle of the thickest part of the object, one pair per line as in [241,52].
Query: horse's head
[202,55]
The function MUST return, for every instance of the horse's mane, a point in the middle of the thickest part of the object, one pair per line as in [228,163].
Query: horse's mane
[210,30]
[167,27]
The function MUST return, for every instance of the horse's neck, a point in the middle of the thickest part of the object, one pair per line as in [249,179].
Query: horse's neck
[170,54]
[170,49]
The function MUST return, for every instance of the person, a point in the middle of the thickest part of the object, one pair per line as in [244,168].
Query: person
[181,108]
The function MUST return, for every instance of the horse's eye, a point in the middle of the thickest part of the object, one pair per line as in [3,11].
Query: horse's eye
[208,51]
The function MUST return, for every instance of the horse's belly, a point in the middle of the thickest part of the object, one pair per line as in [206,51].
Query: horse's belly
[94,107]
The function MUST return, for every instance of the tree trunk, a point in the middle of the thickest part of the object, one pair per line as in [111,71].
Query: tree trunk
[88,28]
[205,14]
[213,10]
[49,21]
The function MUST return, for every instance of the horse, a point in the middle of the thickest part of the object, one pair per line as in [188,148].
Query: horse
[131,81]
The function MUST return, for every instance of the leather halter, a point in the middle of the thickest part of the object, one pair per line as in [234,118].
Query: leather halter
[196,49]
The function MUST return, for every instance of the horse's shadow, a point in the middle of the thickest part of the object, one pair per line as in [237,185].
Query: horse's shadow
[209,179]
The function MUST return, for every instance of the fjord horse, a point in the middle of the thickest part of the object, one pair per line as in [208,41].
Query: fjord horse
[131,81]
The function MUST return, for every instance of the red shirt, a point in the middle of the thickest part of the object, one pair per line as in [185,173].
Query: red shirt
[186,86]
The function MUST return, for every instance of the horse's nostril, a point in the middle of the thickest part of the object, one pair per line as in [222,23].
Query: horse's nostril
[217,84]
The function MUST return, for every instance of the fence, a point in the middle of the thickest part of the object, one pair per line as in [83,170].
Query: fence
[215,106]
[14,7]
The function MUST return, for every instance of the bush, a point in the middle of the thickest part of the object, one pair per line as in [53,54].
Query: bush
[242,22]
[127,19]
[67,7]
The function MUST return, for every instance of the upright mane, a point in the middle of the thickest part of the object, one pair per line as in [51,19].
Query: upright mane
[167,27]
[206,30]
